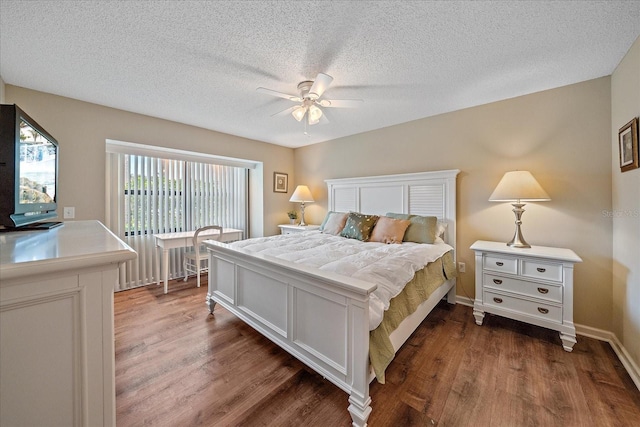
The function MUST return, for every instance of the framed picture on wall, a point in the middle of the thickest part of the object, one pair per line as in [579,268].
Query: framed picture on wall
[280,182]
[628,140]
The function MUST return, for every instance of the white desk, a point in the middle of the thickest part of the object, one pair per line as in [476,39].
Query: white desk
[184,239]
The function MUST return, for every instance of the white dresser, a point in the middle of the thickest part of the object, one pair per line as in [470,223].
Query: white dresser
[533,285]
[291,228]
[56,325]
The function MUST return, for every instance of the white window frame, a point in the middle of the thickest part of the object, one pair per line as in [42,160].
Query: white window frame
[141,272]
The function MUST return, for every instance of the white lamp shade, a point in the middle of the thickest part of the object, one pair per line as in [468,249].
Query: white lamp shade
[302,194]
[519,186]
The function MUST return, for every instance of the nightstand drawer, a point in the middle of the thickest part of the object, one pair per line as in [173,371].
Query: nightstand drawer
[536,290]
[541,270]
[542,311]
[502,264]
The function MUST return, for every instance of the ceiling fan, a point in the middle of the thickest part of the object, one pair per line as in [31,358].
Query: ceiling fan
[310,92]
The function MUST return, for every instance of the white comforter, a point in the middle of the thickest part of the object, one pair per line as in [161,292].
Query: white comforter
[391,267]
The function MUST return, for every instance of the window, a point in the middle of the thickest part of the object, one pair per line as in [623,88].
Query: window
[151,194]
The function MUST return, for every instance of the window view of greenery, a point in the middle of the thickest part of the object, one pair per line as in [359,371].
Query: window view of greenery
[153,204]
[165,196]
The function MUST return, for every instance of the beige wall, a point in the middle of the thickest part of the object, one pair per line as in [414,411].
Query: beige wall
[81,129]
[562,136]
[625,104]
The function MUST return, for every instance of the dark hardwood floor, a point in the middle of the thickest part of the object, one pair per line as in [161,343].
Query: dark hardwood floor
[176,365]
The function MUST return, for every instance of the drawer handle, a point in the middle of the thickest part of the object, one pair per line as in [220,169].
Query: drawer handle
[499,264]
[541,270]
[543,290]
[499,300]
[543,310]
[497,281]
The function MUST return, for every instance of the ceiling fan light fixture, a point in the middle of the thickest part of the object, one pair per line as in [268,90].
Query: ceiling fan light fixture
[314,114]
[299,112]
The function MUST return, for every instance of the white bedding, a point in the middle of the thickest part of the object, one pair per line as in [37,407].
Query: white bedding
[391,267]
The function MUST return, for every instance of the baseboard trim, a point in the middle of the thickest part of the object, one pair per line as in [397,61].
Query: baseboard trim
[464,300]
[616,345]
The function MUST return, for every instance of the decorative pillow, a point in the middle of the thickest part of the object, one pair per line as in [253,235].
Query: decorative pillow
[440,229]
[389,230]
[359,226]
[326,218]
[397,215]
[422,228]
[335,223]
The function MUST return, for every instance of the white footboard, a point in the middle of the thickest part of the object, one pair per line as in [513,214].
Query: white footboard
[320,318]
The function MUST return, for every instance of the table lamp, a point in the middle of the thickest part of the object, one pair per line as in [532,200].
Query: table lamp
[518,187]
[302,195]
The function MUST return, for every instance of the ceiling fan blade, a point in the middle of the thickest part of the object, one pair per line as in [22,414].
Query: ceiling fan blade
[293,98]
[341,103]
[285,112]
[320,84]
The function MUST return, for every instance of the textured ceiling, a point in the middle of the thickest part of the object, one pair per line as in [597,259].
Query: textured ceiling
[200,62]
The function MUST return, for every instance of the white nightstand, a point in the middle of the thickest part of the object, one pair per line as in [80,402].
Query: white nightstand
[533,285]
[290,229]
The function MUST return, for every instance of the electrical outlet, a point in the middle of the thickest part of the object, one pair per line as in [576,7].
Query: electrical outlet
[69,212]
[462,267]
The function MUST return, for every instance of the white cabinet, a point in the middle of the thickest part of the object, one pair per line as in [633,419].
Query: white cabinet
[56,325]
[290,228]
[533,285]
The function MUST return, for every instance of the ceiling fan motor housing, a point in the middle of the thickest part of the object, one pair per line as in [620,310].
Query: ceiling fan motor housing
[304,88]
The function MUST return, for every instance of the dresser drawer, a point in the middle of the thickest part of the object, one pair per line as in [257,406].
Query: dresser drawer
[542,311]
[536,290]
[541,270]
[499,263]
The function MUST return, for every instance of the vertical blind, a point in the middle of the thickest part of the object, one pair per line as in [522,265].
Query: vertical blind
[150,195]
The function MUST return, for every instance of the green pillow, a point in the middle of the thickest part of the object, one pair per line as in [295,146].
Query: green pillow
[422,228]
[398,215]
[359,226]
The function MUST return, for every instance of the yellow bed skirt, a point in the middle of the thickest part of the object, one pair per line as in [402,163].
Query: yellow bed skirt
[417,291]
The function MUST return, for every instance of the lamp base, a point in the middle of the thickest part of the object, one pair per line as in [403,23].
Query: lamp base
[302,223]
[518,239]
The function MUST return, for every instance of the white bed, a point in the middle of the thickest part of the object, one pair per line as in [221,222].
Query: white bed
[320,317]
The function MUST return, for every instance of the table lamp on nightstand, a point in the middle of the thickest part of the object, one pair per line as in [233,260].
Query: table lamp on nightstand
[302,195]
[517,187]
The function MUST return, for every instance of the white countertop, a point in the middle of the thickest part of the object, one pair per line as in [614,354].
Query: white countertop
[76,244]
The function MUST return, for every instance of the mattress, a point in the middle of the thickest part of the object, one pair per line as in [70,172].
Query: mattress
[389,266]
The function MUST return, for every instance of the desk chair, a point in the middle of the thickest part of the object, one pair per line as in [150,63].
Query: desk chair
[194,260]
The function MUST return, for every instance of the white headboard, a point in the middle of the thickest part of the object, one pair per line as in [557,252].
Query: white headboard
[423,193]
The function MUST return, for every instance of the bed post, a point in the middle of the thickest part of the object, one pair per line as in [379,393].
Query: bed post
[210,303]
[451,295]
[359,399]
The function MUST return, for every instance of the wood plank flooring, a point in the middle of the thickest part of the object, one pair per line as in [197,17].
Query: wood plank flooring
[176,365]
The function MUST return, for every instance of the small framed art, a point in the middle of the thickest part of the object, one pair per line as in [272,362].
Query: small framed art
[628,140]
[280,182]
